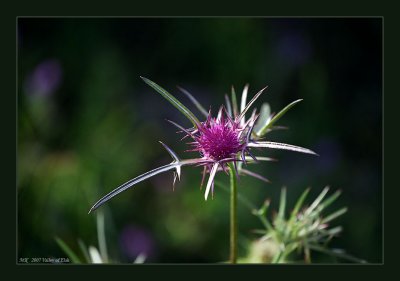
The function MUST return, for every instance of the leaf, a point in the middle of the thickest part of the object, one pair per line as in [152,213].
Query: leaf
[182,129]
[228,105]
[264,117]
[211,179]
[132,182]
[328,201]
[300,202]
[101,236]
[277,257]
[143,177]
[336,253]
[295,211]
[255,175]
[284,146]
[307,254]
[262,216]
[234,102]
[175,157]
[251,124]
[334,215]
[317,201]
[95,255]
[332,231]
[282,205]
[244,97]
[243,102]
[68,251]
[84,250]
[249,159]
[250,104]
[259,231]
[194,101]
[264,208]
[140,258]
[173,101]
[267,225]
[264,129]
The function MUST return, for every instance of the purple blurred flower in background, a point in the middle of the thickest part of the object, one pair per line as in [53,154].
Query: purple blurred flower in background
[45,78]
[135,240]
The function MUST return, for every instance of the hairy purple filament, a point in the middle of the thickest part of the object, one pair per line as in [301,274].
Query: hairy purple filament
[218,139]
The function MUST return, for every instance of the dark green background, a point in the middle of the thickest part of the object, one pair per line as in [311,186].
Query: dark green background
[99,126]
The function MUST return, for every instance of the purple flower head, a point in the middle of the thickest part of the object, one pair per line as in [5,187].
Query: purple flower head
[220,141]
[218,138]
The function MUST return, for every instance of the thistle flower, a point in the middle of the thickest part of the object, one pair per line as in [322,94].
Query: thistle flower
[221,140]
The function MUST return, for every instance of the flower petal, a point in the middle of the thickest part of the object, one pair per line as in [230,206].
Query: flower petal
[211,179]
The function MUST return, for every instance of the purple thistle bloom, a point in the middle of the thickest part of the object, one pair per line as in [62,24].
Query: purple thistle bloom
[219,141]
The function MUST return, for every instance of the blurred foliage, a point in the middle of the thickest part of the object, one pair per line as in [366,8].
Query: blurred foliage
[291,239]
[91,254]
[87,123]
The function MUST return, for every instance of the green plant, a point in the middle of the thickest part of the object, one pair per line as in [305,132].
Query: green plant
[92,254]
[306,229]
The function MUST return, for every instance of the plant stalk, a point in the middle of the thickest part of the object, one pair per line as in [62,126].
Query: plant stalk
[233,215]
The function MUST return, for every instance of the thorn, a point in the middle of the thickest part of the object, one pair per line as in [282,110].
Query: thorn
[173,183]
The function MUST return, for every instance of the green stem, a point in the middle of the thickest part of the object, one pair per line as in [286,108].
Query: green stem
[233,215]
